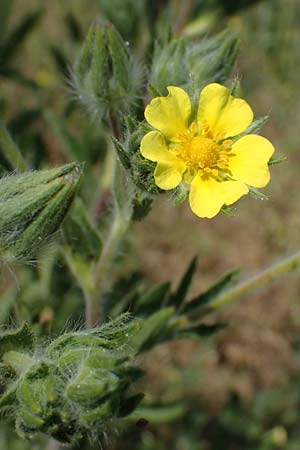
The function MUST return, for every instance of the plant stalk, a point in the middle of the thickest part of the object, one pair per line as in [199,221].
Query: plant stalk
[109,252]
[286,265]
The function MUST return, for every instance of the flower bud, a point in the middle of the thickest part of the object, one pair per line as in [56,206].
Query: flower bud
[32,208]
[72,388]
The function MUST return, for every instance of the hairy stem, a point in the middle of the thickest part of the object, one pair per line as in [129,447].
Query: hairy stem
[262,278]
[109,252]
[121,218]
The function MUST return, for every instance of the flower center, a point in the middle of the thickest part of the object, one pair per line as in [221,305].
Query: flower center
[201,153]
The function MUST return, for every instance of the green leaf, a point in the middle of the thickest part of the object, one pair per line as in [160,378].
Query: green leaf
[5,13]
[179,296]
[128,405]
[10,151]
[203,300]
[199,331]
[153,330]
[152,300]
[18,34]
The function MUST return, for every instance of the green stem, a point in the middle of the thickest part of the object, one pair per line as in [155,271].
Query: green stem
[11,151]
[268,275]
[110,249]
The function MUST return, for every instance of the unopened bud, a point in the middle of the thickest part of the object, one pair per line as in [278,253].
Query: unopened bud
[33,206]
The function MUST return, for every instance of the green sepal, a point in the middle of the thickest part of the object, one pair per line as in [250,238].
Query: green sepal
[20,340]
[142,205]
[99,70]
[119,56]
[122,154]
[8,398]
[33,206]
[257,194]
[84,61]
[181,62]
[117,333]
[92,385]
[20,362]
[279,160]
[99,414]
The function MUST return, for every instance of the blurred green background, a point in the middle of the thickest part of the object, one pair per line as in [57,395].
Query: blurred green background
[241,391]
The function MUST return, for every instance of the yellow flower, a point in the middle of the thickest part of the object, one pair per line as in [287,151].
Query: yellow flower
[202,152]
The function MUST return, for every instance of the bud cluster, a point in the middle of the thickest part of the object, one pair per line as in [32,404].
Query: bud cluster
[106,77]
[72,388]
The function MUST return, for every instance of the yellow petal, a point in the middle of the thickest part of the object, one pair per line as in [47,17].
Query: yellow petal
[170,114]
[167,176]
[169,170]
[154,147]
[250,163]
[207,196]
[224,114]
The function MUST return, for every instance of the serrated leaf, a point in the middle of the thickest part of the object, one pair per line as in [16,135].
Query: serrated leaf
[203,300]
[179,296]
